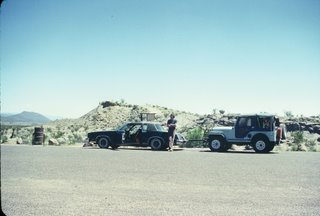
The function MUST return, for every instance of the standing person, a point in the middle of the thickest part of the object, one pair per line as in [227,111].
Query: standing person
[171,123]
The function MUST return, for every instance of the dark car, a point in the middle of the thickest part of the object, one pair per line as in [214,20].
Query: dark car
[135,134]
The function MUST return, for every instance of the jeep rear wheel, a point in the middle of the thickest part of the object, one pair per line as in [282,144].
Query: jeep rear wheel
[103,142]
[217,144]
[271,146]
[156,144]
[261,145]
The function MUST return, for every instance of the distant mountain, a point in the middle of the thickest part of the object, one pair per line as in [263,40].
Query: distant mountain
[25,118]
[7,114]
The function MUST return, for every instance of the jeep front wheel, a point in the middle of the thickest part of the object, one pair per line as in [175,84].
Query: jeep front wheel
[217,144]
[103,142]
[261,145]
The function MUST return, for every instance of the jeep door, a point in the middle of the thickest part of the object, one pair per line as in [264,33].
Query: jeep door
[244,125]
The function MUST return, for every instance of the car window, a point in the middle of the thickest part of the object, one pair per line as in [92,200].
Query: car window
[123,127]
[135,128]
[159,127]
[151,127]
[144,127]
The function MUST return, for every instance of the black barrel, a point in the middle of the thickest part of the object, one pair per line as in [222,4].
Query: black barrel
[38,136]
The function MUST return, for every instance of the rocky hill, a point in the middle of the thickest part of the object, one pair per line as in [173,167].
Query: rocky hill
[109,115]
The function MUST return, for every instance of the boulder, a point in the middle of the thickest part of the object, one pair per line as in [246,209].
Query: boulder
[19,140]
[292,126]
[53,141]
[310,129]
[316,129]
[302,147]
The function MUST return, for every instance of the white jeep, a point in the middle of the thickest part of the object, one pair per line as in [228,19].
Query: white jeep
[261,131]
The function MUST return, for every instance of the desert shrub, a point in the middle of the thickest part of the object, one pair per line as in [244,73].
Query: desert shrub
[4,139]
[195,134]
[58,134]
[300,143]
[311,145]
[288,114]
[78,138]
[27,140]
[71,139]
[298,137]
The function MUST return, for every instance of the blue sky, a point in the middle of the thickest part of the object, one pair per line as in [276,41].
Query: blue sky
[64,57]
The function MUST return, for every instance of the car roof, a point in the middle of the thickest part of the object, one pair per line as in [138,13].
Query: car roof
[143,122]
[258,114]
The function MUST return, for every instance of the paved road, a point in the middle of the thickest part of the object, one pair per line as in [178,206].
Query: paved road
[38,180]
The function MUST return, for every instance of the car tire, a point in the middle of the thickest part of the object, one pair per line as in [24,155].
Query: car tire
[261,144]
[103,142]
[217,144]
[156,144]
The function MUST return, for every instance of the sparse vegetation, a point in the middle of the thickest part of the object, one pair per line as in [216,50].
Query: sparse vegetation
[311,145]
[288,114]
[194,135]
[300,143]
[4,139]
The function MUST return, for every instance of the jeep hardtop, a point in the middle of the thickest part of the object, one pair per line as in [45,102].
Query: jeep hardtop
[261,131]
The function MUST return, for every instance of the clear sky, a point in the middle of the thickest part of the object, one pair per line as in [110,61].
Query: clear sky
[63,57]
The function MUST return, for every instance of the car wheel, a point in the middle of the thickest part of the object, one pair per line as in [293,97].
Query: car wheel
[217,144]
[156,144]
[261,145]
[103,142]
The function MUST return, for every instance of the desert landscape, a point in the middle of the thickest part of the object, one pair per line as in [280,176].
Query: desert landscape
[303,132]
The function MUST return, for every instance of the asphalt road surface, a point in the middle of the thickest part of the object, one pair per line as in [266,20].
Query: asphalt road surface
[38,180]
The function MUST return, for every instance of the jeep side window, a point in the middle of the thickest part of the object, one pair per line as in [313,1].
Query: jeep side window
[242,122]
[249,122]
[265,123]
